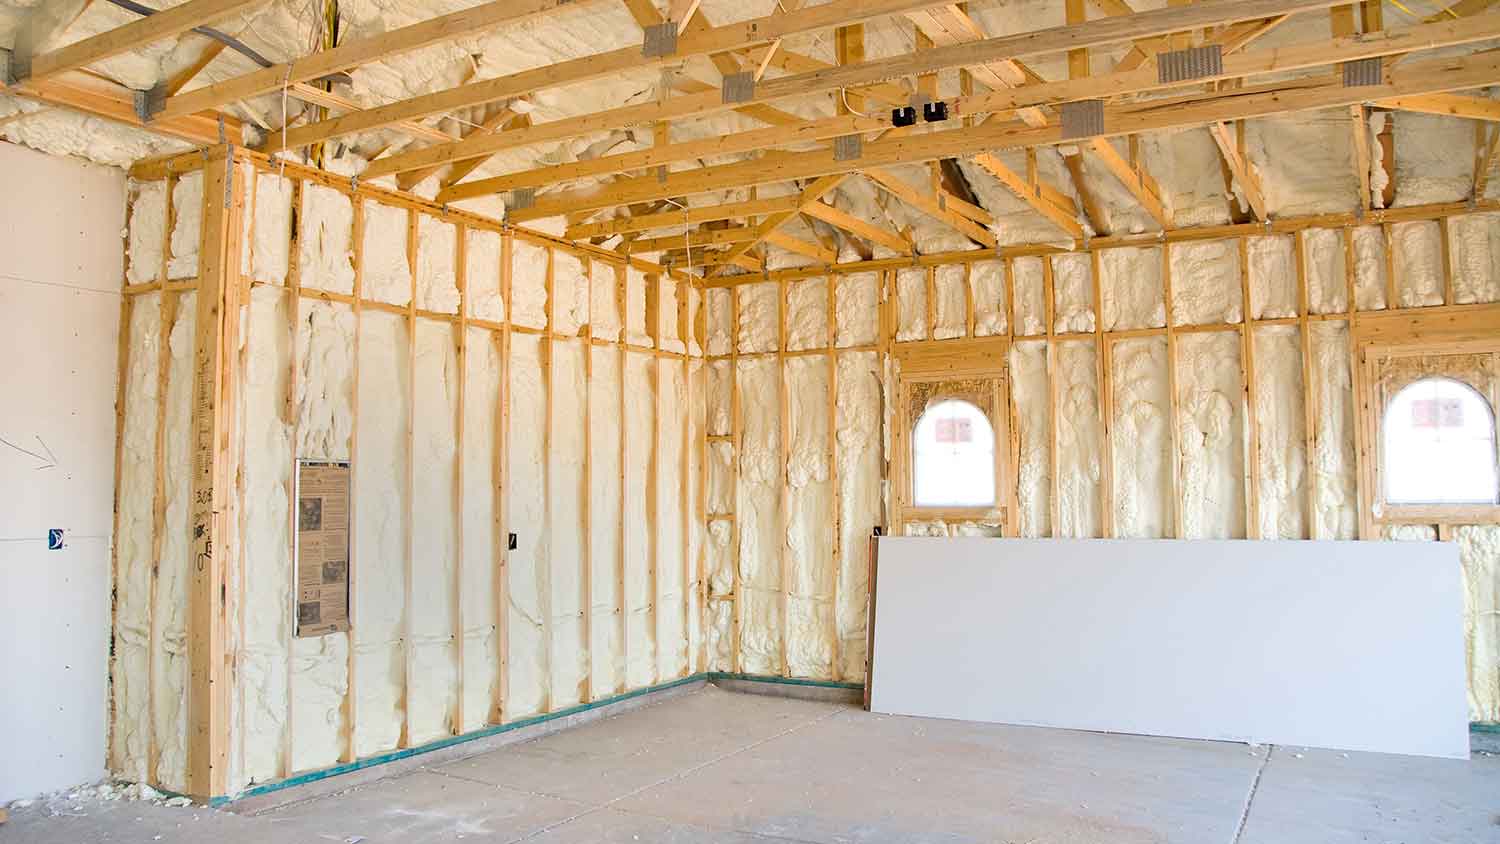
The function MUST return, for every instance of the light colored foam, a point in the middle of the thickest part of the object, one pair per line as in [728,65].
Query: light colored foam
[1142,438]
[1210,417]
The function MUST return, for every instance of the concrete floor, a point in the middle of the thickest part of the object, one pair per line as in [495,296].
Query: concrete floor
[714,766]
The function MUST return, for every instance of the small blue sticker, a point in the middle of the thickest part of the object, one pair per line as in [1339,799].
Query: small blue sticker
[54,539]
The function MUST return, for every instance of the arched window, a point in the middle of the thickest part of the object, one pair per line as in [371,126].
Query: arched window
[1439,444]
[953,455]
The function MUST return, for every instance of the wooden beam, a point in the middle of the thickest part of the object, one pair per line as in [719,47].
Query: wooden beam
[932,206]
[1244,174]
[683,10]
[1432,76]
[1485,160]
[1030,192]
[1134,178]
[167,23]
[1093,213]
[800,247]
[626,59]
[1360,128]
[1093,33]
[355,53]
[811,130]
[857,226]
[116,104]
[695,239]
[1447,105]
[689,216]
[179,80]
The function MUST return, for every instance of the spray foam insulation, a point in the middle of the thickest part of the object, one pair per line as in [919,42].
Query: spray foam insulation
[1030,296]
[810,512]
[1205,283]
[482,276]
[606,446]
[267,249]
[1132,288]
[1474,243]
[604,302]
[911,304]
[987,287]
[856,309]
[858,455]
[1080,439]
[1418,261]
[570,294]
[566,600]
[1030,392]
[807,314]
[1282,421]
[759,516]
[1335,515]
[437,254]
[636,333]
[950,308]
[148,220]
[484,377]
[1210,422]
[187,227]
[1073,293]
[1141,429]
[528,284]
[757,318]
[718,302]
[387,264]
[325,244]
[640,387]
[1273,276]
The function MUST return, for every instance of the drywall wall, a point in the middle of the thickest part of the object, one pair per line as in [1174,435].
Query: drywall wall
[457,435]
[60,274]
[956,637]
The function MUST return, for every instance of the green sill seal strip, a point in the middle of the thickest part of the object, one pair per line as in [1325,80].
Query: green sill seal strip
[496,729]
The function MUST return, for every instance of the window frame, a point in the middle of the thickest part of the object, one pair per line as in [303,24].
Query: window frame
[935,377]
[935,401]
[1390,369]
[1388,400]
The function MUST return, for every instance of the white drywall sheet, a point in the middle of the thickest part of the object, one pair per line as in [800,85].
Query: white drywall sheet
[1345,645]
[60,276]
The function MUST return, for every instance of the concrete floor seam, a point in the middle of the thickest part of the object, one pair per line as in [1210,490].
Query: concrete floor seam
[1239,829]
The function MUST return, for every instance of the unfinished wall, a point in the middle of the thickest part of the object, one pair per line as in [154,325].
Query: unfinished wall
[1211,395]
[458,369]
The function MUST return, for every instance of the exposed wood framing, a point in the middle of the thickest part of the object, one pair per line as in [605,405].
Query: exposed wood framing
[1232,146]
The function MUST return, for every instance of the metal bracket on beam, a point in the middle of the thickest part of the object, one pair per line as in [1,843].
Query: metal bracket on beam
[739,87]
[17,66]
[7,65]
[1364,72]
[1192,63]
[661,40]
[848,147]
[520,199]
[1082,119]
[150,102]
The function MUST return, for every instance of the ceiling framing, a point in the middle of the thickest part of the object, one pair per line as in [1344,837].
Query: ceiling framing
[1003,104]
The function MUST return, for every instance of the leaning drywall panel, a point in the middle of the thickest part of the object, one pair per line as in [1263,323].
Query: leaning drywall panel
[381,526]
[60,277]
[1141,433]
[956,637]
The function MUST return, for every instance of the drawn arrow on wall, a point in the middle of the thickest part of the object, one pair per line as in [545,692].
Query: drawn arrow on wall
[47,462]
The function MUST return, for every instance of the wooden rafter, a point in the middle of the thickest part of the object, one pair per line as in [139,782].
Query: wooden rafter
[719,39]
[1360,129]
[1230,141]
[934,206]
[165,24]
[690,216]
[1093,33]
[1487,141]
[755,139]
[1410,77]
[117,104]
[1134,177]
[1031,189]
[857,226]
[355,53]
[1447,105]
[768,227]
[179,80]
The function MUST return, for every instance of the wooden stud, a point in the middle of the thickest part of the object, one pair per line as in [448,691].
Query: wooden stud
[461,278]
[351,691]
[1049,312]
[622,299]
[1171,334]
[1103,359]
[585,501]
[293,421]
[546,348]
[737,431]
[784,522]
[831,453]
[408,646]
[1309,387]
[1247,387]
[499,708]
